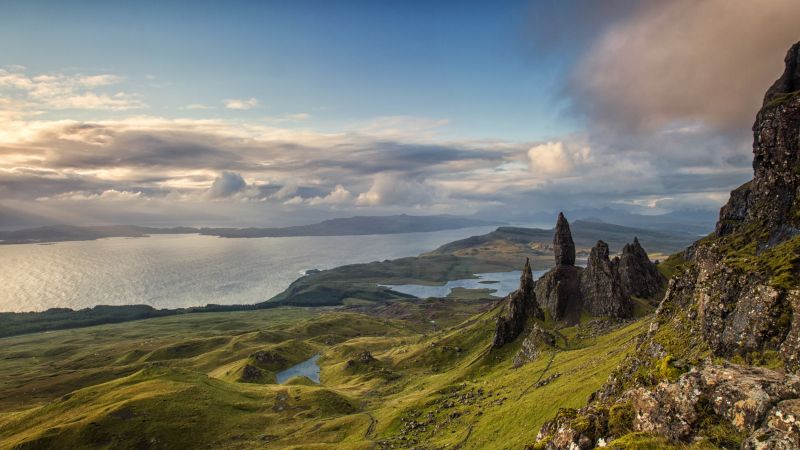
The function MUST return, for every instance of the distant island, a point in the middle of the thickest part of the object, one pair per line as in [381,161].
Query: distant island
[351,226]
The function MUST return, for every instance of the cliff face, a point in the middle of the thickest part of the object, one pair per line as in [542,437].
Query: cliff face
[735,298]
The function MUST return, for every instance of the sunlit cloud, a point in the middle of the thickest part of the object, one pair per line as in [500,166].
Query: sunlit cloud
[241,104]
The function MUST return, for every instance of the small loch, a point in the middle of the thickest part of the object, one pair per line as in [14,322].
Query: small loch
[502,283]
[307,368]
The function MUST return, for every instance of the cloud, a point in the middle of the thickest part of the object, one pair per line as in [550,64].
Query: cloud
[63,91]
[685,61]
[109,195]
[390,189]
[556,158]
[195,106]
[400,126]
[240,104]
[338,196]
[227,184]
[299,116]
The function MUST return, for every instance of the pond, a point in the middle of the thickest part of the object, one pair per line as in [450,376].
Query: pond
[307,368]
[502,284]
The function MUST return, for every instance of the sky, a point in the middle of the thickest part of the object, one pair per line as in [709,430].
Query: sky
[273,113]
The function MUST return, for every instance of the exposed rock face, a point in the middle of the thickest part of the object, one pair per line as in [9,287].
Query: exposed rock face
[740,395]
[560,292]
[563,246]
[534,344]
[780,429]
[638,275]
[601,286]
[522,305]
[735,211]
[559,289]
[774,189]
[749,398]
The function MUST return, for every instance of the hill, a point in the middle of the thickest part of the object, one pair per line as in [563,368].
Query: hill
[359,225]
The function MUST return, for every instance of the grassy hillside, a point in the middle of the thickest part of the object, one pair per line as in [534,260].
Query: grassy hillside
[177,381]
[514,242]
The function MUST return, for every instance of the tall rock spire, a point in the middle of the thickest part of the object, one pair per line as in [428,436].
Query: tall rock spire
[559,289]
[601,286]
[563,246]
[522,305]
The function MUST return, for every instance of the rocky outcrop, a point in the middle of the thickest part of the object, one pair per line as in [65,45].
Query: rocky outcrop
[521,306]
[780,429]
[251,373]
[739,395]
[601,286]
[559,289]
[735,211]
[737,297]
[364,358]
[745,399]
[533,345]
[638,275]
[563,245]
[773,193]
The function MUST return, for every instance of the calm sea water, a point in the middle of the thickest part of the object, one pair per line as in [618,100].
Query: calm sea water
[171,271]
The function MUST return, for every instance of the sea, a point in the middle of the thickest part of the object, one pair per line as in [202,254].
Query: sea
[176,271]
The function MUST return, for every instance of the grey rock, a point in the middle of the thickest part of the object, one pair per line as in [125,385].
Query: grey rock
[638,275]
[559,292]
[521,305]
[533,345]
[563,245]
[601,286]
[780,429]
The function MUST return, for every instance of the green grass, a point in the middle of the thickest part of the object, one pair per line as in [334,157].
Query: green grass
[175,381]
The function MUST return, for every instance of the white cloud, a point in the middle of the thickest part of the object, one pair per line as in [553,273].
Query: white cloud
[197,106]
[61,91]
[401,127]
[241,104]
[299,116]
[389,189]
[296,200]
[109,195]
[338,196]
[557,158]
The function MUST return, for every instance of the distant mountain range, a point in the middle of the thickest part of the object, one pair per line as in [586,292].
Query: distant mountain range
[360,225]
[695,221]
